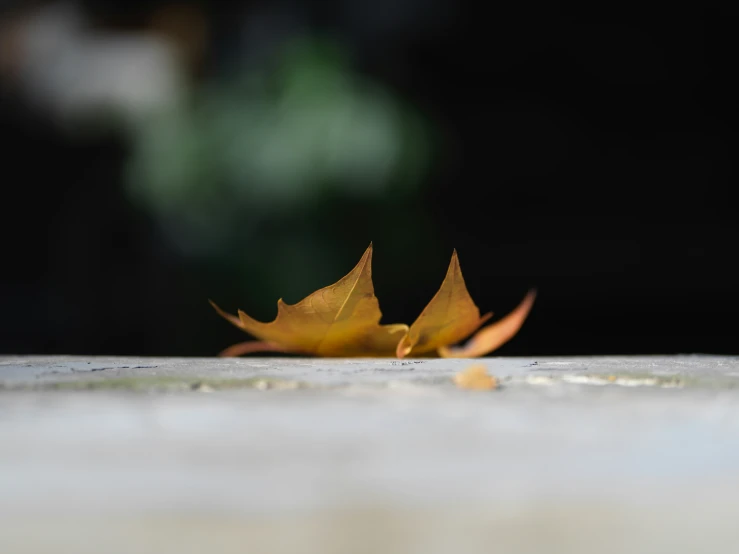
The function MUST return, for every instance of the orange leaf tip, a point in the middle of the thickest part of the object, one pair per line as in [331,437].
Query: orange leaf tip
[495,335]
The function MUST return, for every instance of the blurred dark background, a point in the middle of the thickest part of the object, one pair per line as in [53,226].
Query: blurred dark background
[157,154]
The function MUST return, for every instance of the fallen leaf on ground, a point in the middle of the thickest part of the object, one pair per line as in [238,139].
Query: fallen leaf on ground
[475,377]
[450,317]
[339,320]
[343,320]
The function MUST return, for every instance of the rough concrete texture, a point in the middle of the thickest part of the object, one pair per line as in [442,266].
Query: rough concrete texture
[325,456]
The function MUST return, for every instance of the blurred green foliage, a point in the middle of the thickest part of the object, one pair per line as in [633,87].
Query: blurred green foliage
[257,174]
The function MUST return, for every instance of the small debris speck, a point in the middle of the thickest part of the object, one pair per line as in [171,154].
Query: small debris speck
[475,377]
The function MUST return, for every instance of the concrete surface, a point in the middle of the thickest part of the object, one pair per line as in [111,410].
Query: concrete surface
[591,455]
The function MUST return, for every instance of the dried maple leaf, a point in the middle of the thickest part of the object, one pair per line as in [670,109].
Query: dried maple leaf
[476,378]
[339,320]
[343,320]
[451,316]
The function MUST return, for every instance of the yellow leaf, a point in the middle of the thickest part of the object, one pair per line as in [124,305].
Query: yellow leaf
[338,320]
[476,378]
[343,320]
[494,335]
[449,317]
